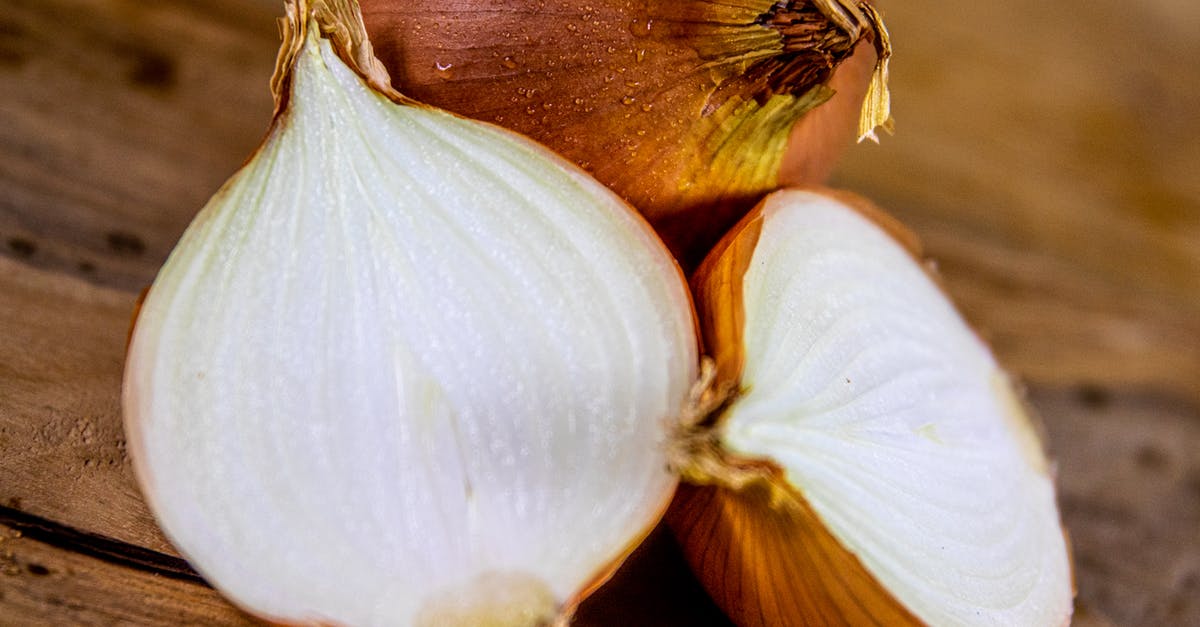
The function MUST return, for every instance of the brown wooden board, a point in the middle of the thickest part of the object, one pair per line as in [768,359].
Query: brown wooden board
[41,584]
[1044,153]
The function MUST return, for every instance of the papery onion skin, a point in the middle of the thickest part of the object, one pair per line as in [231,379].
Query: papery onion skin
[684,108]
[821,136]
[326,316]
[751,534]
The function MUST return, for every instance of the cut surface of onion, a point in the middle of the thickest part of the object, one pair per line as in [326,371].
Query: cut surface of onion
[867,407]
[405,368]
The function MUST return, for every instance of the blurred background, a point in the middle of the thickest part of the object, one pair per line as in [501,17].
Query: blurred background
[1045,153]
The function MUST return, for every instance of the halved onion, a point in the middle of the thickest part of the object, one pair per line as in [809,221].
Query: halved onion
[405,368]
[874,465]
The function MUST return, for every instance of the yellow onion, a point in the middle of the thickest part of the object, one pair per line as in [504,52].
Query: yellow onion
[867,461]
[405,368]
[410,368]
[683,107]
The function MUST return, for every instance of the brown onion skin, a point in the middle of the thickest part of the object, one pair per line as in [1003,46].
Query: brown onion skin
[775,565]
[685,108]
[820,137]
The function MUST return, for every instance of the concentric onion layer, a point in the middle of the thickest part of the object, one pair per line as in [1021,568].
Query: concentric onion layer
[406,368]
[891,419]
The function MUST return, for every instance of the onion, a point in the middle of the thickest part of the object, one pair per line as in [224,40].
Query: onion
[684,108]
[871,463]
[410,368]
[405,368]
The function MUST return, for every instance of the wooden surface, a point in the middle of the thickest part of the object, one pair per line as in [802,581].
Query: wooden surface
[1045,152]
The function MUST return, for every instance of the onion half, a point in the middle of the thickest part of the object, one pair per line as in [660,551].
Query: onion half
[873,464]
[405,368]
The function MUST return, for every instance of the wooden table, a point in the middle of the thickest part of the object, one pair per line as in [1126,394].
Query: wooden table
[1046,153]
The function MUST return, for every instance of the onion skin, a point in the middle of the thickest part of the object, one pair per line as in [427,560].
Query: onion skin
[722,318]
[819,139]
[751,537]
[775,565]
[683,108]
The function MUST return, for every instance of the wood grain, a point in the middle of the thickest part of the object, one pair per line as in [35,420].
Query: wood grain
[121,119]
[1043,154]
[1129,489]
[41,584]
[60,427]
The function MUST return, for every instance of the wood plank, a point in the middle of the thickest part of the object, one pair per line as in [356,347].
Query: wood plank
[41,584]
[1129,489]
[60,427]
[121,119]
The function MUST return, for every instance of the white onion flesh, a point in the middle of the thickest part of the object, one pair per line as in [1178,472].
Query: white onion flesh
[892,419]
[405,367]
